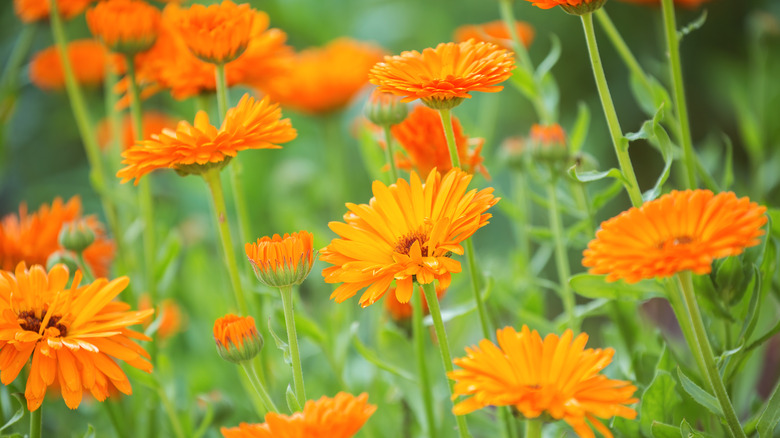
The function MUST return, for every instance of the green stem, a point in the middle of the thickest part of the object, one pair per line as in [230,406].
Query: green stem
[702,345]
[622,48]
[251,374]
[222,91]
[474,272]
[675,67]
[390,154]
[449,134]
[418,333]
[533,428]
[509,429]
[561,255]
[170,410]
[36,422]
[220,212]
[85,270]
[9,82]
[444,348]
[678,306]
[619,142]
[292,340]
[117,420]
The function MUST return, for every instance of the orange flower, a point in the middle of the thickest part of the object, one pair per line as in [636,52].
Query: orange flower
[70,333]
[324,79]
[32,238]
[555,376]
[153,122]
[193,149]
[446,74]
[421,135]
[237,338]
[548,135]
[124,26]
[690,4]
[495,32]
[339,417]
[282,261]
[87,58]
[574,7]
[35,10]
[170,316]
[680,231]
[402,311]
[405,233]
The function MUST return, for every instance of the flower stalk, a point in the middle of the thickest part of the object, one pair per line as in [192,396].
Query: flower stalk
[292,340]
[36,422]
[390,154]
[251,374]
[418,333]
[561,255]
[533,428]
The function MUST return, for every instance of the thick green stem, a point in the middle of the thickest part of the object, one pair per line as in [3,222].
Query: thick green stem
[449,134]
[675,67]
[444,348]
[619,142]
[678,306]
[533,428]
[251,374]
[703,345]
[390,154]
[220,212]
[36,422]
[222,91]
[561,255]
[509,429]
[418,333]
[622,48]
[292,340]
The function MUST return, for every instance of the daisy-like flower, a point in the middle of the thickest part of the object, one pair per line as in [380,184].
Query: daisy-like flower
[193,149]
[35,10]
[574,7]
[32,238]
[125,26]
[556,376]
[689,4]
[339,417]
[72,334]
[495,32]
[405,233]
[87,58]
[153,122]
[680,231]
[281,261]
[237,338]
[324,79]
[443,76]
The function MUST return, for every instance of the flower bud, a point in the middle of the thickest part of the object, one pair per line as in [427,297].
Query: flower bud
[125,26]
[64,257]
[282,261]
[237,338]
[76,236]
[548,143]
[385,109]
[585,7]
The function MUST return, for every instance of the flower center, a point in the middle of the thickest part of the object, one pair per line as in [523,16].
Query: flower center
[674,241]
[405,243]
[31,323]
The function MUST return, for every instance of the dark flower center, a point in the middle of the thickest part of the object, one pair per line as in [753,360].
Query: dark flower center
[31,323]
[674,241]
[405,243]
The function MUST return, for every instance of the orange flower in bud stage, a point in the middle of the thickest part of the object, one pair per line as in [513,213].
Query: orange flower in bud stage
[73,335]
[495,32]
[548,142]
[680,231]
[153,122]
[385,109]
[282,261]
[124,26]
[402,311]
[237,338]
[324,79]
[690,4]
[445,75]
[87,58]
[32,238]
[35,10]
[193,149]
[556,376]
[407,232]
[421,136]
[574,7]
[339,417]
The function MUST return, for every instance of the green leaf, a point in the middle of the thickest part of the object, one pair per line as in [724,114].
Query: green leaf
[523,80]
[90,433]
[309,328]
[551,59]
[606,195]
[653,132]
[548,89]
[701,396]
[649,94]
[463,309]
[694,25]
[728,164]
[686,431]
[580,129]
[659,401]
[663,430]
[597,286]
[593,175]
[292,400]
[19,412]
[372,357]
[280,344]
[771,415]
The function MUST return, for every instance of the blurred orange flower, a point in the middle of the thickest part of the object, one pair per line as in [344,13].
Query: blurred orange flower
[280,261]
[556,376]
[153,122]
[548,135]
[324,79]
[680,231]
[124,26]
[88,59]
[32,238]
[72,334]
[339,417]
[171,318]
[35,10]
[495,32]
[402,311]
[193,148]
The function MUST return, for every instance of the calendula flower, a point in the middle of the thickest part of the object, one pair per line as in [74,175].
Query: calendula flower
[403,311]
[170,316]
[339,417]
[689,4]
[407,232]
[193,149]
[125,26]
[324,79]
[556,376]
[153,122]
[33,238]
[35,10]
[237,338]
[495,32]
[574,7]
[680,231]
[88,59]
[73,335]
[548,142]
[281,261]
[445,75]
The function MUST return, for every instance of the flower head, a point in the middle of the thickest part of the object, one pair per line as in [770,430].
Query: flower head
[153,122]
[689,4]
[193,149]
[548,142]
[445,75]
[556,376]
[237,338]
[574,7]
[72,334]
[405,233]
[680,231]
[495,32]
[281,261]
[35,10]
[125,26]
[339,417]
[87,58]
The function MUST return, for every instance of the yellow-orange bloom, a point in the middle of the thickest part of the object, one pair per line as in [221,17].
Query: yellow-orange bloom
[72,334]
[237,338]
[153,122]
[575,7]
[556,376]
[690,4]
[193,148]
[32,238]
[281,261]
[447,73]
[339,417]
[125,26]
[405,233]
[87,58]
[680,231]
[324,79]
[35,10]
[495,32]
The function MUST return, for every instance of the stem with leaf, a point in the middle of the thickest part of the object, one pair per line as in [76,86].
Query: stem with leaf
[418,333]
[561,254]
[251,374]
[292,340]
